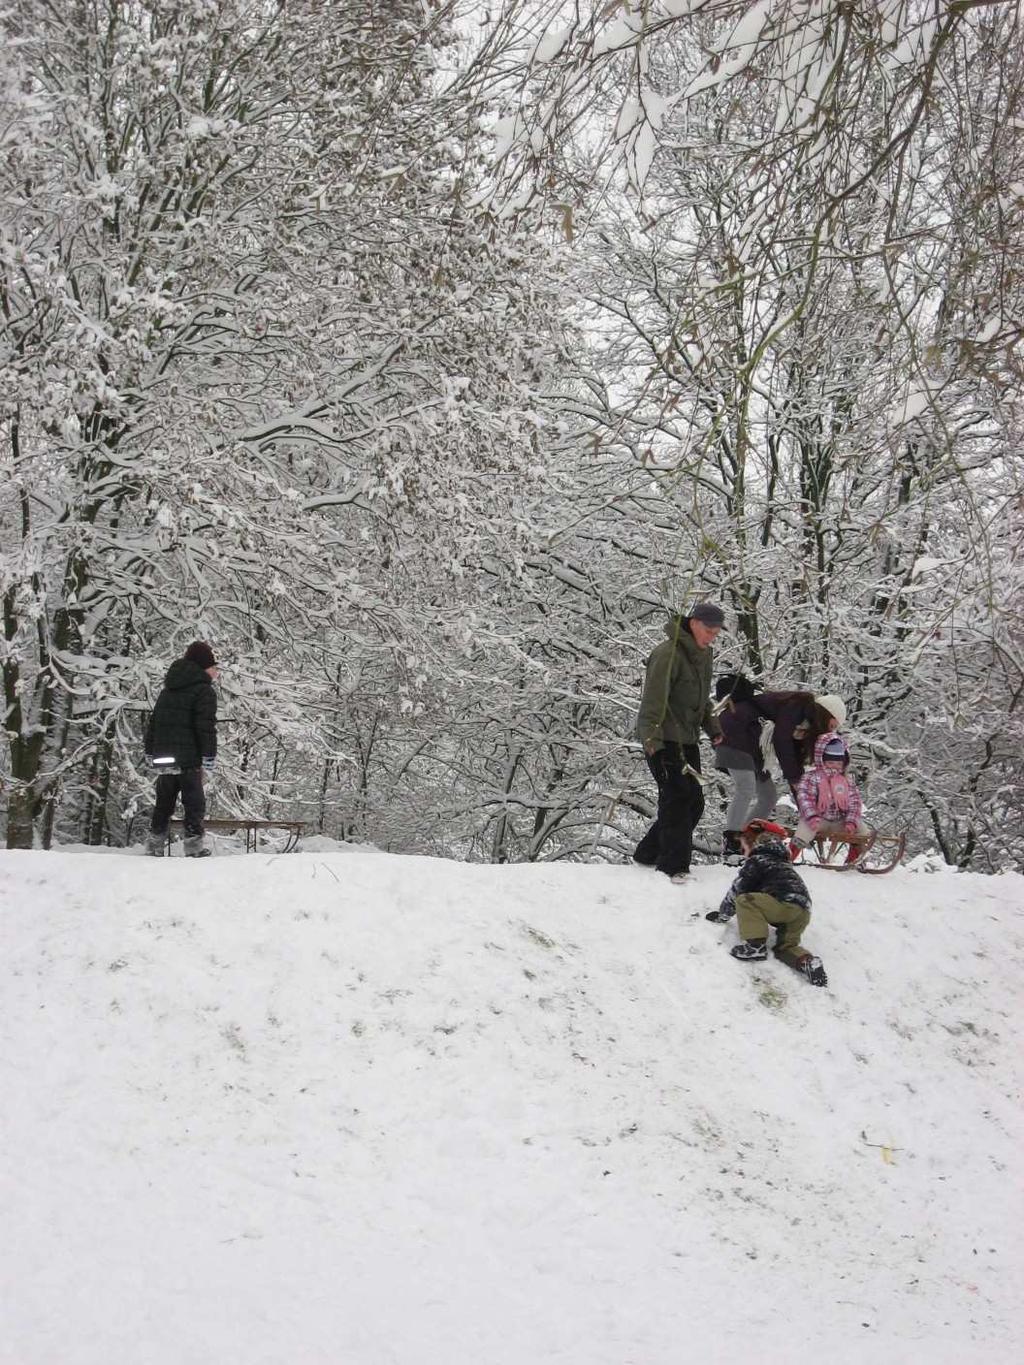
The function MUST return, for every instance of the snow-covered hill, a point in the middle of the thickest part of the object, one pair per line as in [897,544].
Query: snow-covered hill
[345,1108]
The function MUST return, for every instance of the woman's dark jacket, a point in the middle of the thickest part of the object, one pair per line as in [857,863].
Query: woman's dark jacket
[183,725]
[768,869]
[786,713]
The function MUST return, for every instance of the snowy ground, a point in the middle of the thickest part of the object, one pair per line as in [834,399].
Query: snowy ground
[345,1108]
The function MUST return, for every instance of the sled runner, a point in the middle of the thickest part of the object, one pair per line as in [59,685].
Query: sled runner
[879,852]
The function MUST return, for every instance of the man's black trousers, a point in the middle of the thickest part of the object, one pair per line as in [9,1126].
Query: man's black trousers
[668,844]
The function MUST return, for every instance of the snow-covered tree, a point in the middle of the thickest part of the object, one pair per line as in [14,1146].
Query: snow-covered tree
[254,345]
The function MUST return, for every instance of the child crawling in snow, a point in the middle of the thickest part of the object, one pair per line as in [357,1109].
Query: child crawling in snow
[769,893]
[828,799]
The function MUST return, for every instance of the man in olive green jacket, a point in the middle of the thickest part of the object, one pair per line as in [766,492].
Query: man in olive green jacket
[675,707]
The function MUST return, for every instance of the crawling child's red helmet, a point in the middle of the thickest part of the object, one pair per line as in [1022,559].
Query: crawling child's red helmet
[755,828]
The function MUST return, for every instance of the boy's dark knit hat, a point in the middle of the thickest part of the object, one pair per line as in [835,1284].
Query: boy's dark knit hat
[199,652]
[708,614]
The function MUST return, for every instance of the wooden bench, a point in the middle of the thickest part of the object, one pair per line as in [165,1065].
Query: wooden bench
[294,829]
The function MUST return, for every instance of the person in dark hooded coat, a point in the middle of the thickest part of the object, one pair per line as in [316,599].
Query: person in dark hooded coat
[181,743]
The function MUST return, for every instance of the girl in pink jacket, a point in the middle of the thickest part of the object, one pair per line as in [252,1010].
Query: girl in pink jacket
[827,796]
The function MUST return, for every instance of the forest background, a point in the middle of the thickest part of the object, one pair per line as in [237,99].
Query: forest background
[422,355]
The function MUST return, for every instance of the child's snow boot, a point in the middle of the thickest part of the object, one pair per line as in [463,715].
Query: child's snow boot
[732,853]
[751,950]
[812,968]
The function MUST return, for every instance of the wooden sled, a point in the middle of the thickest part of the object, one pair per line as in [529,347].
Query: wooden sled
[880,852]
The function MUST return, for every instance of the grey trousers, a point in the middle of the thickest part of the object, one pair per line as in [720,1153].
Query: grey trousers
[751,799]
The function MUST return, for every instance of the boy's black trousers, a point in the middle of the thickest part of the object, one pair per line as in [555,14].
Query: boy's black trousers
[189,785]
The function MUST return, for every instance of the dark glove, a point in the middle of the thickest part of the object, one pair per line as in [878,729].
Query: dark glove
[208,764]
[720,916]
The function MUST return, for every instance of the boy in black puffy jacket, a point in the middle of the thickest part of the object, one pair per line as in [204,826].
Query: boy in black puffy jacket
[181,744]
[769,893]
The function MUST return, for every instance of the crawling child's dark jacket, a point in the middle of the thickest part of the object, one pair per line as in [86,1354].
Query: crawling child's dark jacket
[768,869]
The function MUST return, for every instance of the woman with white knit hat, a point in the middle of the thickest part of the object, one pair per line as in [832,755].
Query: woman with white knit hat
[799,720]
[835,706]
